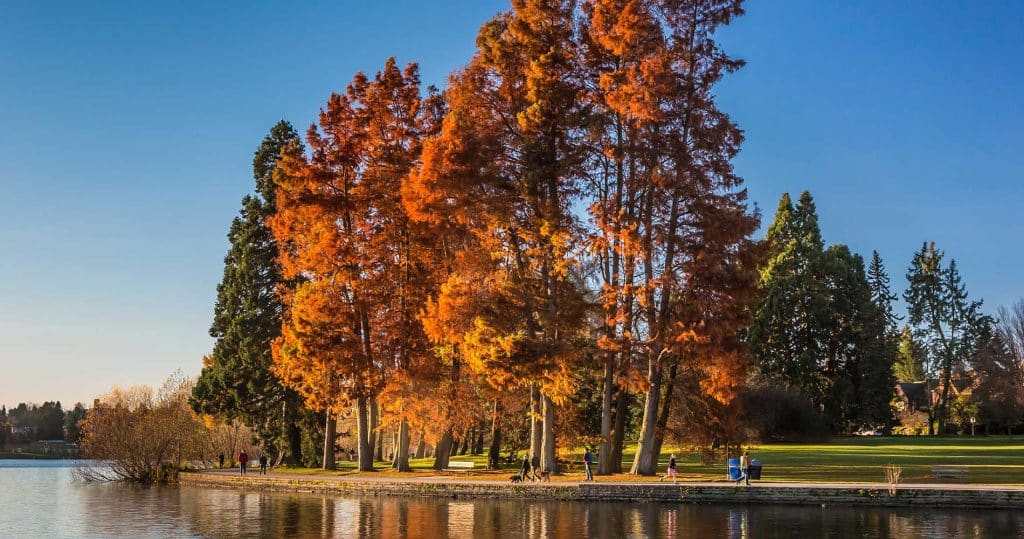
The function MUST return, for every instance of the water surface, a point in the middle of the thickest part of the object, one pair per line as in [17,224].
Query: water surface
[40,499]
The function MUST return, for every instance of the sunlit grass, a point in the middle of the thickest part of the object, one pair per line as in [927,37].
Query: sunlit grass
[994,460]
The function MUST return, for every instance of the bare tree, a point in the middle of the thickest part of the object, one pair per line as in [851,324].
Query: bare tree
[133,435]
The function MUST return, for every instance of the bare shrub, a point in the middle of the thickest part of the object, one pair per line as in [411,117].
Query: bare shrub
[228,438]
[893,476]
[134,435]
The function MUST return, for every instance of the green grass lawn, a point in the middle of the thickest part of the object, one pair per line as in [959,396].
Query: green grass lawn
[994,459]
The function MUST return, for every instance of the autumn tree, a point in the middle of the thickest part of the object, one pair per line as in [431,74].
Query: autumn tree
[236,381]
[351,322]
[671,223]
[619,42]
[507,164]
[949,326]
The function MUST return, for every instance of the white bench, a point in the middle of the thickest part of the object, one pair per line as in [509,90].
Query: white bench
[949,472]
[460,466]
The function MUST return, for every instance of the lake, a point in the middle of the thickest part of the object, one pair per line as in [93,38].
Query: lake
[41,499]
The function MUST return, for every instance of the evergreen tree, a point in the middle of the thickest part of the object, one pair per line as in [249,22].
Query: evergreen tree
[949,326]
[881,293]
[999,395]
[789,326]
[818,328]
[236,380]
[909,365]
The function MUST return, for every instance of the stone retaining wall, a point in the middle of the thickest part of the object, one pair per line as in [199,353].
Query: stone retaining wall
[629,492]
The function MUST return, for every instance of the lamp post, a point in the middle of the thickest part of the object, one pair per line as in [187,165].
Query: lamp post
[973,421]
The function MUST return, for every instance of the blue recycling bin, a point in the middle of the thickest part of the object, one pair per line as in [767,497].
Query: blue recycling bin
[735,473]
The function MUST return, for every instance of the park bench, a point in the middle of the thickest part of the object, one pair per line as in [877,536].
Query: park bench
[460,466]
[949,472]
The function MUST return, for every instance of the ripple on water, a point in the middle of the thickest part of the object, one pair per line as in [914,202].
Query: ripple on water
[40,499]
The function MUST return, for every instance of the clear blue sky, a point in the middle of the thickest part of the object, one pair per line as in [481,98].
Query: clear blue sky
[127,131]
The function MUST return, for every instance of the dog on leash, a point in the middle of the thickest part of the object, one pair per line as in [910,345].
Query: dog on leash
[545,476]
[516,479]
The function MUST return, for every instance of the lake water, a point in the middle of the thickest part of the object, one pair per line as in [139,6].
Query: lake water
[40,499]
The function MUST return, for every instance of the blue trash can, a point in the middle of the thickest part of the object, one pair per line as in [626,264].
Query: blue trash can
[735,473]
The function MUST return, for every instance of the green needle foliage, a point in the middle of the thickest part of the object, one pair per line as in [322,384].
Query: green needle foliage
[236,379]
[818,329]
[949,326]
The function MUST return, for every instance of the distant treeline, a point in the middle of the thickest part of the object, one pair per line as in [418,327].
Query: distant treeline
[29,422]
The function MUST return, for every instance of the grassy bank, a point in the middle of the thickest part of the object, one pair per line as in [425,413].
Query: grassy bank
[994,460]
[27,455]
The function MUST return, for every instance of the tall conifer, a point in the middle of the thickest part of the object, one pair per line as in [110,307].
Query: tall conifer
[236,379]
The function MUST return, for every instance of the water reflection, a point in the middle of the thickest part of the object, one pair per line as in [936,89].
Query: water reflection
[38,502]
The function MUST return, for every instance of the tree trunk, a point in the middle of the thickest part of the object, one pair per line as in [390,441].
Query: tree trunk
[619,431]
[294,434]
[646,461]
[442,450]
[547,457]
[465,442]
[379,448]
[478,445]
[329,436]
[365,450]
[931,407]
[494,452]
[371,434]
[666,406]
[421,447]
[604,451]
[401,462]
[536,424]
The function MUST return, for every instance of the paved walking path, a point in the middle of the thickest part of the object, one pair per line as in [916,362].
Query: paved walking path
[424,477]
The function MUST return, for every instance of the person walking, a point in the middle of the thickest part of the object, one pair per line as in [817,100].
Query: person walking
[745,467]
[243,460]
[587,458]
[221,460]
[524,470]
[535,464]
[671,468]
[263,465]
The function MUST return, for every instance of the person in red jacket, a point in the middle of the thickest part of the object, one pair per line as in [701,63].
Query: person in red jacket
[243,460]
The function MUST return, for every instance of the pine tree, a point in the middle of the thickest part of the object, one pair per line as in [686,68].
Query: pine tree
[236,379]
[818,328]
[881,293]
[948,324]
[909,365]
[789,328]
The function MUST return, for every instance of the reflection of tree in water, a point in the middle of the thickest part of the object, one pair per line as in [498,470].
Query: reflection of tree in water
[127,511]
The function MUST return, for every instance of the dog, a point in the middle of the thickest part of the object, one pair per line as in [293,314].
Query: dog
[545,476]
[515,479]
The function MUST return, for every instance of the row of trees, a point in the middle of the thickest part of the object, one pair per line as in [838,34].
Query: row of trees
[554,247]
[566,202]
[48,421]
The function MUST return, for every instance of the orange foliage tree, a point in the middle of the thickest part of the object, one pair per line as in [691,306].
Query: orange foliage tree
[443,263]
[672,230]
[507,166]
[351,322]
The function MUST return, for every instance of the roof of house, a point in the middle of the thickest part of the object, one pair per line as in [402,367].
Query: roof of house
[915,393]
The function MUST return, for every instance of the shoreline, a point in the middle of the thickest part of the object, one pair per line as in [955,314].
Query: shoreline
[951,496]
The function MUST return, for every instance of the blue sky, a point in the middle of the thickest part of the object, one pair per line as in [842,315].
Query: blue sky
[127,131]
